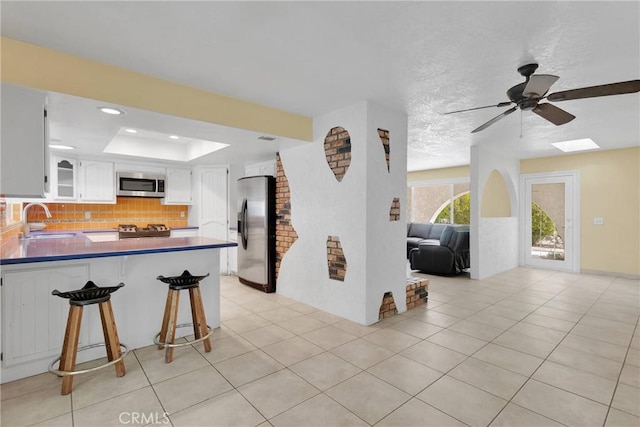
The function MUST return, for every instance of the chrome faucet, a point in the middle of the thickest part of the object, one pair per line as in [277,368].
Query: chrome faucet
[25,226]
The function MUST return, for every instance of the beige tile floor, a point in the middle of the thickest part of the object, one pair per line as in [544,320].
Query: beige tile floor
[525,348]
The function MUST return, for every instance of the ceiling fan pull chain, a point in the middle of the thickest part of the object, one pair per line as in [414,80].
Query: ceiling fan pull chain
[521,124]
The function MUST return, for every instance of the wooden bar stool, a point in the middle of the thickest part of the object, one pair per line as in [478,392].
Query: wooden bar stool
[166,337]
[89,294]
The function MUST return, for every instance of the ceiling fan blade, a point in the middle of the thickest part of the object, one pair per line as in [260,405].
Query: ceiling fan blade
[631,86]
[495,119]
[539,84]
[555,115]
[502,104]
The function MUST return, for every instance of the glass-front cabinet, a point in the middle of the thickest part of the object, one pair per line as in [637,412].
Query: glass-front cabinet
[81,180]
[65,176]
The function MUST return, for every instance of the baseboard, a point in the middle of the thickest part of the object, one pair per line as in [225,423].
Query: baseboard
[611,274]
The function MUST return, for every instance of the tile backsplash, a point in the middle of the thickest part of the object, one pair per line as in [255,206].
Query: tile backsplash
[127,210]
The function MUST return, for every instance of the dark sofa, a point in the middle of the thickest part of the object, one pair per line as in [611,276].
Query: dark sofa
[438,248]
[418,232]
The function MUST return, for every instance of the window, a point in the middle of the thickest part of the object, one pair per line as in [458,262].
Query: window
[439,202]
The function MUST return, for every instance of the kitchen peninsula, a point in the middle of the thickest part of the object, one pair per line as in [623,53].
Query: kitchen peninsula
[33,322]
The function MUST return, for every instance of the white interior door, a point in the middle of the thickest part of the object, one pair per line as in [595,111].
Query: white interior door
[550,218]
[214,208]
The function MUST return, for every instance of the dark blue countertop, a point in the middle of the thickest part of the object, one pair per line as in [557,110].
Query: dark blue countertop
[111,230]
[32,250]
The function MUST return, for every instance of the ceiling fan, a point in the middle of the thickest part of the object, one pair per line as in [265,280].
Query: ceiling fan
[527,96]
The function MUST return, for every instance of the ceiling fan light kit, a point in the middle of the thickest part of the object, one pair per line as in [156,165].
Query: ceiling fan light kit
[527,96]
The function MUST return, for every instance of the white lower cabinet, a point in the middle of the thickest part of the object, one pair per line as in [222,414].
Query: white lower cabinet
[34,321]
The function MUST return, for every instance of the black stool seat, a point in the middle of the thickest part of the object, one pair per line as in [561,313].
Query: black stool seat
[184,281]
[89,294]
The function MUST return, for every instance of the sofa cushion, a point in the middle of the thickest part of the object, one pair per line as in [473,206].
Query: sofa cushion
[459,239]
[414,241]
[446,235]
[436,231]
[429,242]
[421,230]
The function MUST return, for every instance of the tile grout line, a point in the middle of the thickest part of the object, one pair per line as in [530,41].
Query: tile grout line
[165,414]
[510,401]
[530,377]
[615,389]
[547,357]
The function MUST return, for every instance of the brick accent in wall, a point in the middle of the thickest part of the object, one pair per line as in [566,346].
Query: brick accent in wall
[388,306]
[285,233]
[337,149]
[394,212]
[335,259]
[384,138]
[417,293]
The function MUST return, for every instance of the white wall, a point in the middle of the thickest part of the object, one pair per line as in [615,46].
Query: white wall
[356,210]
[493,241]
[386,240]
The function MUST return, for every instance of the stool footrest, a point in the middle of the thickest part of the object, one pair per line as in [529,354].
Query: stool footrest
[156,339]
[84,371]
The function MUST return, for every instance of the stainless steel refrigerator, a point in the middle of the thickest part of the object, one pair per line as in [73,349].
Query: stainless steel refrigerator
[256,232]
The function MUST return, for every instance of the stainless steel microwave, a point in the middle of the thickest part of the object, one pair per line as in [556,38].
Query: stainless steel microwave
[140,184]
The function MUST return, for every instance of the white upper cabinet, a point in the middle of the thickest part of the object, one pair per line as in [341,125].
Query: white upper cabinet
[97,182]
[24,151]
[64,173]
[178,187]
[139,167]
[264,168]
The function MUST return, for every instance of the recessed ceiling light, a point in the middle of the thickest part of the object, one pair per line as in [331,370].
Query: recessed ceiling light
[576,145]
[131,131]
[61,147]
[174,137]
[157,145]
[111,110]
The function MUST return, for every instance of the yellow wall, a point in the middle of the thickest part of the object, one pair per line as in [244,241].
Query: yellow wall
[34,66]
[438,174]
[609,188]
[495,197]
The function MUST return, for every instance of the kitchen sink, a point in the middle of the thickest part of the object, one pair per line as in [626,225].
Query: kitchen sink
[51,236]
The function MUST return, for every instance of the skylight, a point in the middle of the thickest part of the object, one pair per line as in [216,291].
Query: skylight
[576,145]
[155,145]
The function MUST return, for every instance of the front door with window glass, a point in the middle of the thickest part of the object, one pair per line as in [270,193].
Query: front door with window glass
[549,214]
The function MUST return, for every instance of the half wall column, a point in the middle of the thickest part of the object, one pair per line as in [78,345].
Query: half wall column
[347,205]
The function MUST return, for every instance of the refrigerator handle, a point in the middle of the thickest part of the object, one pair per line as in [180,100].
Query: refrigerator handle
[242,224]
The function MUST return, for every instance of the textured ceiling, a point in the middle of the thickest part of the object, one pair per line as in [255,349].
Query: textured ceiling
[423,58]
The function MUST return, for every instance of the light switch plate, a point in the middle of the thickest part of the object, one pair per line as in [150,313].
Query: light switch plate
[598,220]
[87,215]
